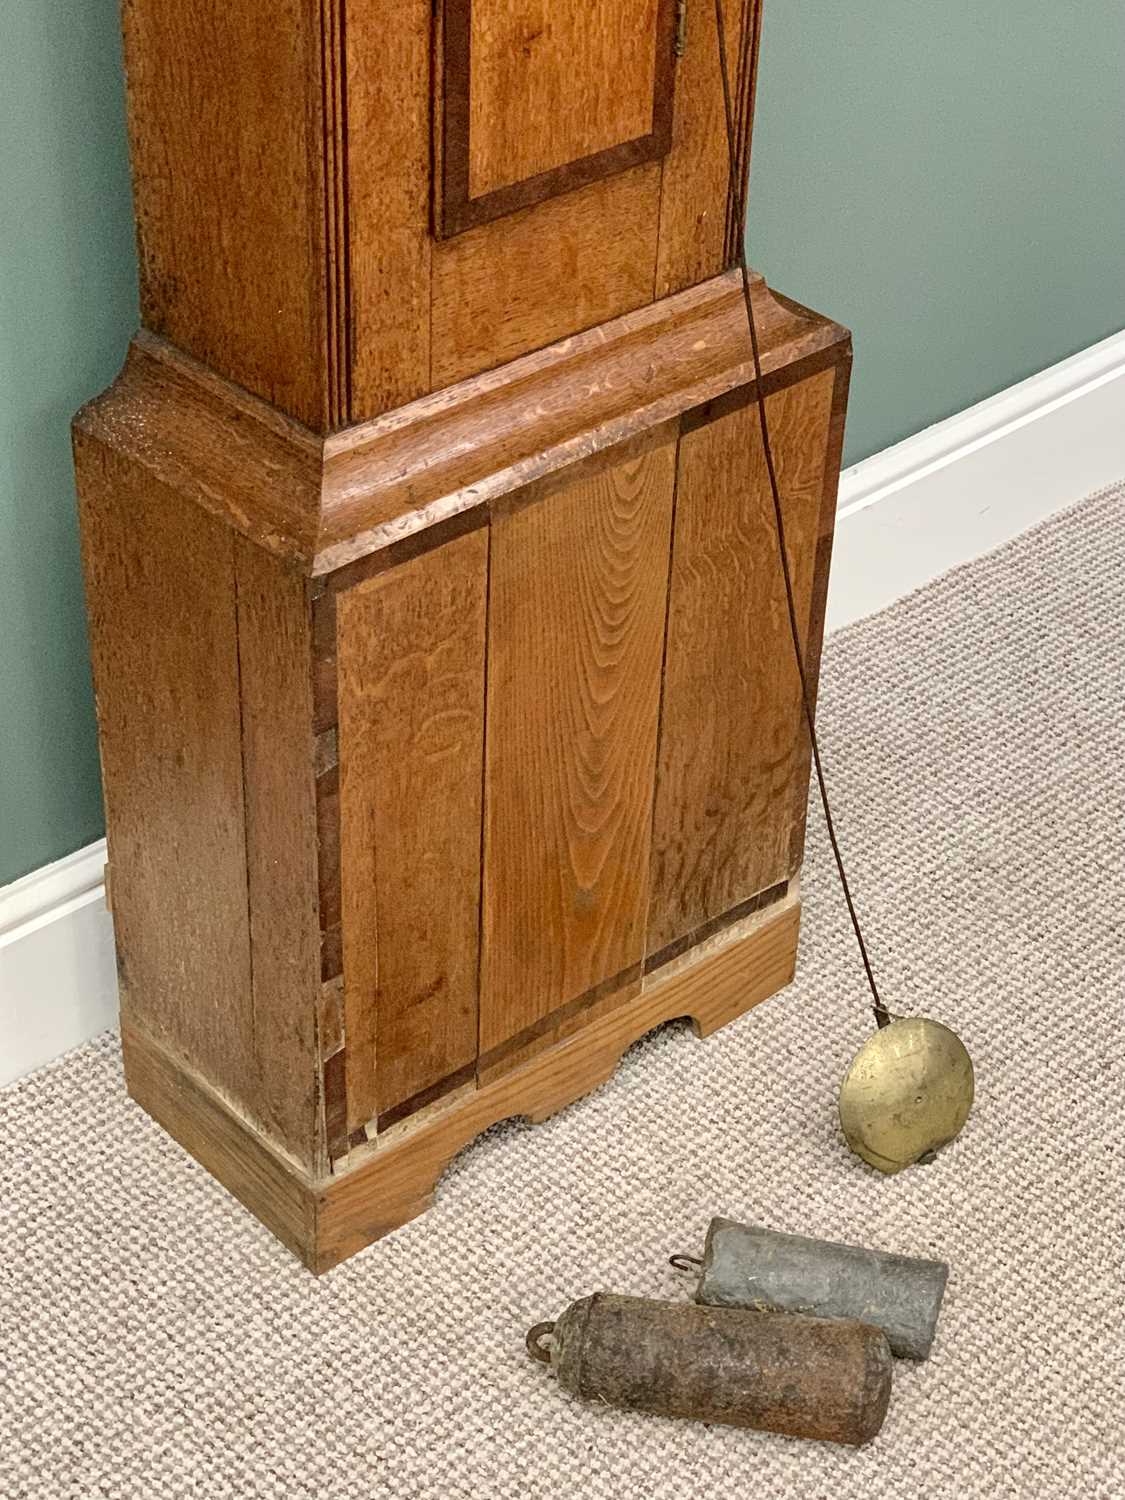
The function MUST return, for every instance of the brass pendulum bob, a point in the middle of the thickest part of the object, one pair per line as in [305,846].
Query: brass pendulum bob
[909,1088]
[907,1093]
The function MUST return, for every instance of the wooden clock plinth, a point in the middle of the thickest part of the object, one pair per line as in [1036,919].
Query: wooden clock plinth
[450,730]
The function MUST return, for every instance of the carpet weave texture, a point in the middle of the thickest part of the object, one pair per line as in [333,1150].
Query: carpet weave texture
[155,1341]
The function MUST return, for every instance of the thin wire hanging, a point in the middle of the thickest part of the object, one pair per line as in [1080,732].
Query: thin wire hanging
[749,44]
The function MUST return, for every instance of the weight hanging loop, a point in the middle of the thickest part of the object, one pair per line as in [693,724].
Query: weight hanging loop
[685,1262]
[534,1345]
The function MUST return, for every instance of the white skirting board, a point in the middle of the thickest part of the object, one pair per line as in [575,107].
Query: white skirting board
[58,976]
[947,495]
[967,485]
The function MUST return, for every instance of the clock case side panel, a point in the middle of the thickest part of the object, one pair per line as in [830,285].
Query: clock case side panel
[234,149]
[201,654]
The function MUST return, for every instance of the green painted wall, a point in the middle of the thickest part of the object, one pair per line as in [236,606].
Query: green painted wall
[67,306]
[949,180]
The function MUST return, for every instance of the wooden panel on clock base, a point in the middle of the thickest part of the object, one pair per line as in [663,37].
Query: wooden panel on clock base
[385,1184]
[445,757]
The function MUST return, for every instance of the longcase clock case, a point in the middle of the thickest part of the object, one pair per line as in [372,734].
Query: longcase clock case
[451,737]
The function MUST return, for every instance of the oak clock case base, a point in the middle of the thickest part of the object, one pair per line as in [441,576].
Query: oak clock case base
[446,755]
[323,1219]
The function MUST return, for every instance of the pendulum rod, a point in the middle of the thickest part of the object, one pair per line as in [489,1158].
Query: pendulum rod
[736,192]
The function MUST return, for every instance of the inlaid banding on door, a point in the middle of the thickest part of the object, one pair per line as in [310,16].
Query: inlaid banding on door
[501,66]
[716,925]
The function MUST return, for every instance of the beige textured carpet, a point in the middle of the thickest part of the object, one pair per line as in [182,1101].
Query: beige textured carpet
[154,1341]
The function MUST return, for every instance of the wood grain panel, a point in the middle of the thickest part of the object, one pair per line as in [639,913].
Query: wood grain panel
[550,83]
[581,1012]
[696,232]
[506,288]
[578,592]
[814,633]
[160,591]
[228,150]
[388,129]
[731,732]
[411,672]
[274,650]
